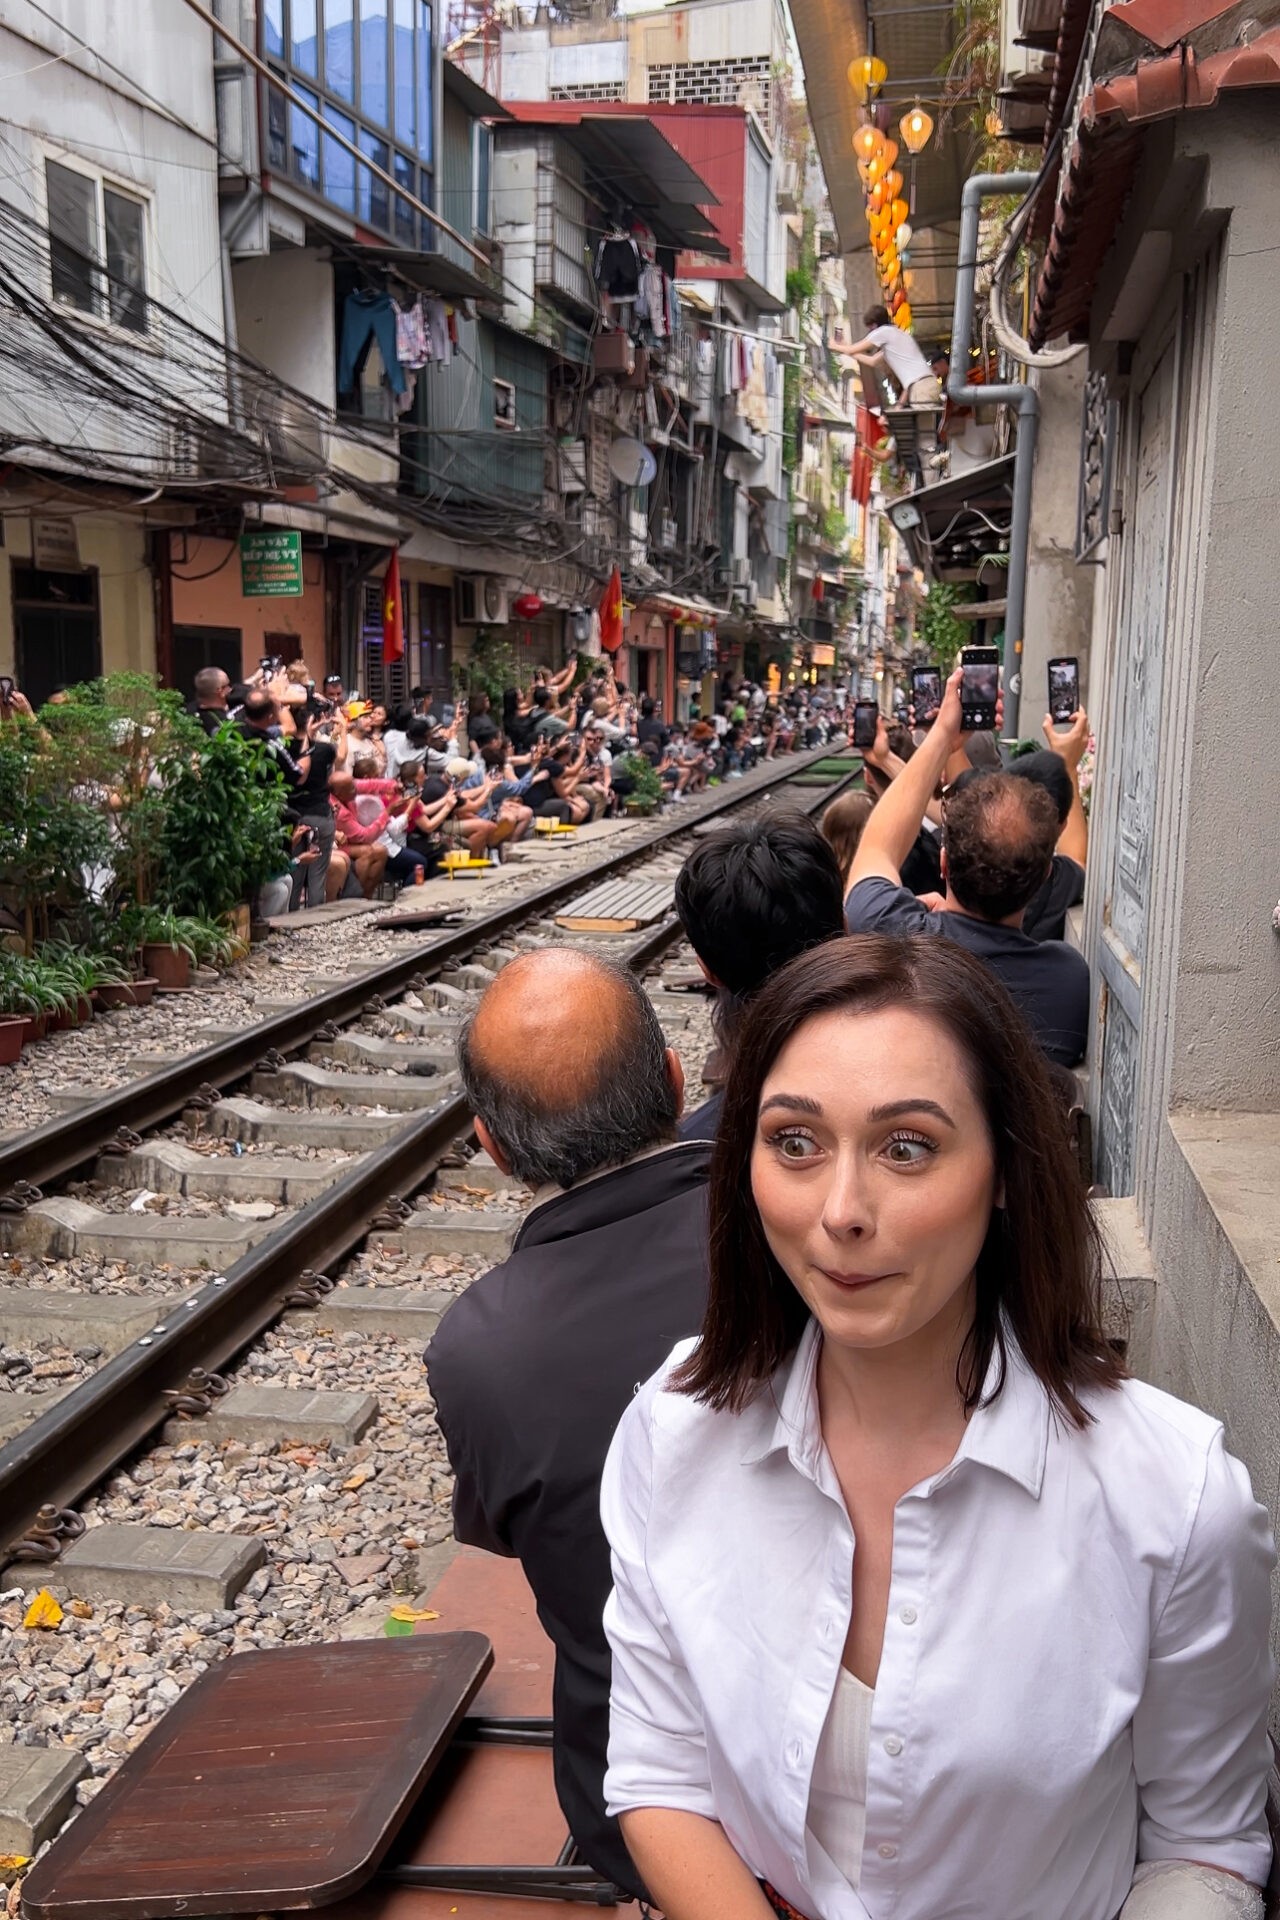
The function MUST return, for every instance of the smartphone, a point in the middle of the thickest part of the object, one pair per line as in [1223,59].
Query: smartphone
[306,840]
[265,664]
[6,688]
[926,694]
[1064,690]
[865,715]
[979,688]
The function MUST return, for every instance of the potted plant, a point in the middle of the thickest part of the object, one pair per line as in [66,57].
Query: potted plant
[167,953]
[646,790]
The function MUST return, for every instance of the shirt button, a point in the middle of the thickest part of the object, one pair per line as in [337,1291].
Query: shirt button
[893,1746]
[887,1852]
[908,1616]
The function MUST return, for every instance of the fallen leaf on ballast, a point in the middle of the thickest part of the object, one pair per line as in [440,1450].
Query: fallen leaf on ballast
[44,1611]
[401,1620]
[14,1862]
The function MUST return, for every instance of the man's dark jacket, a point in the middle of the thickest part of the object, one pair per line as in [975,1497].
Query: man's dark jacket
[531,1370]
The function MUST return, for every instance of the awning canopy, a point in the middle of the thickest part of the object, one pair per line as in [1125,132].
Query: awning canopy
[638,164]
[951,528]
[432,272]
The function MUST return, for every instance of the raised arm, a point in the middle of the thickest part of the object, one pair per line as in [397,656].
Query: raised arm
[1074,838]
[895,820]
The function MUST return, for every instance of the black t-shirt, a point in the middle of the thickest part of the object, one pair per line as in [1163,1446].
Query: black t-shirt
[922,868]
[1049,981]
[651,732]
[1046,917]
[312,794]
[275,750]
[482,730]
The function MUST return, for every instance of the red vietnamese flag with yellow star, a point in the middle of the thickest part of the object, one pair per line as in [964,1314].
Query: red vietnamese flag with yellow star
[392,612]
[611,613]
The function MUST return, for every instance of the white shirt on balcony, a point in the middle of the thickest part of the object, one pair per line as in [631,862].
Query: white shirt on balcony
[1075,1673]
[903,356]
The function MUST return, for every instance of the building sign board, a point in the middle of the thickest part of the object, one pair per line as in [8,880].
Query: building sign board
[55,546]
[271,564]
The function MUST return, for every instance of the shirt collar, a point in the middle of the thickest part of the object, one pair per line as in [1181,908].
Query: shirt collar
[1009,1434]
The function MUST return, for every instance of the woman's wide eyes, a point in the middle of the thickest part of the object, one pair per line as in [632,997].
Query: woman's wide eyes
[900,1150]
[795,1146]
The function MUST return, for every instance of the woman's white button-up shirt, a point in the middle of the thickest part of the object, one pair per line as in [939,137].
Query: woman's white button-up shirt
[1075,1673]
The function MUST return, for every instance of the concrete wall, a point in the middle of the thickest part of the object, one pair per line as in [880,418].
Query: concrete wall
[285,318]
[117,548]
[1206,1093]
[216,601]
[1059,608]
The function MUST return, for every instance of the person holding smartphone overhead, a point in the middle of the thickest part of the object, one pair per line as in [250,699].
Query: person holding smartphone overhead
[999,835]
[922,1606]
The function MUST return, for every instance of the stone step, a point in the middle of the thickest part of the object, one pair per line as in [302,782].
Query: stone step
[480,1173]
[106,1320]
[357,1049]
[471,978]
[37,1795]
[193,1571]
[169,1167]
[462,1231]
[319,1087]
[411,1313]
[274,1416]
[1128,1281]
[238,1118]
[18,1410]
[61,1228]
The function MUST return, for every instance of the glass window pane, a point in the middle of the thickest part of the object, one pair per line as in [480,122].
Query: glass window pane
[375,51]
[73,237]
[375,194]
[339,48]
[406,218]
[403,50]
[273,28]
[304,141]
[339,165]
[125,224]
[306,51]
[424,57]
[277,123]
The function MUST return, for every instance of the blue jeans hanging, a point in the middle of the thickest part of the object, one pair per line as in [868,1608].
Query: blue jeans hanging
[364,314]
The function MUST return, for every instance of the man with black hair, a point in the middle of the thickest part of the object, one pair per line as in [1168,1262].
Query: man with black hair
[750,897]
[999,835]
[576,1093]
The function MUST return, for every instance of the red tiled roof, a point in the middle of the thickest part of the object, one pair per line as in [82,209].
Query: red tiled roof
[1152,58]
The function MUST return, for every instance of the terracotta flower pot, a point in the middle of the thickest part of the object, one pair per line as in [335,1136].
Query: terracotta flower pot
[34,1027]
[64,1020]
[11,1026]
[170,967]
[142,990]
[115,993]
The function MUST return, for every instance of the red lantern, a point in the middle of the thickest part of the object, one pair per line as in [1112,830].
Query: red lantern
[527,606]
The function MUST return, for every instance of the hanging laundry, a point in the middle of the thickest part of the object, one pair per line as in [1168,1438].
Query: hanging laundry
[405,400]
[411,336]
[453,327]
[757,403]
[437,323]
[653,295]
[365,313]
[618,266]
[772,374]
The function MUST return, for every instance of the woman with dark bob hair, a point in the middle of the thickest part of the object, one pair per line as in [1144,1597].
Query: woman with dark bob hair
[923,1607]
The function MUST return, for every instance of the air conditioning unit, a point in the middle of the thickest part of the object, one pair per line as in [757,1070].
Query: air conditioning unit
[740,571]
[788,187]
[480,600]
[750,594]
[667,532]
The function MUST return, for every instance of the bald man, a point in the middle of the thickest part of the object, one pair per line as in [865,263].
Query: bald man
[576,1093]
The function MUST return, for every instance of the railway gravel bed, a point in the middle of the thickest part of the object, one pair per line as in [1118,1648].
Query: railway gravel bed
[334,1525]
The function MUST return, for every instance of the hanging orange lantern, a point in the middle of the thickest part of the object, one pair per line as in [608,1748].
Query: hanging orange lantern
[867,142]
[864,173]
[866,75]
[915,128]
[897,300]
[902,318]
[889,152]
[900,212]
[892,183]
[888,266]
[876,199]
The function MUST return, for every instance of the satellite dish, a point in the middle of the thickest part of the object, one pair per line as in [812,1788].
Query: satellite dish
[631,462]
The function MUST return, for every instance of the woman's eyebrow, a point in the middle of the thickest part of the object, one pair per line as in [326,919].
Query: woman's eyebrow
[897,1108]
[798,1102]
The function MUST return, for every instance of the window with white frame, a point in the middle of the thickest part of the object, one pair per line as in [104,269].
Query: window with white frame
[97,247]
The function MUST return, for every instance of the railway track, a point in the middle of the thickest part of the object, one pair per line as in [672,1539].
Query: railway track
[324,1303]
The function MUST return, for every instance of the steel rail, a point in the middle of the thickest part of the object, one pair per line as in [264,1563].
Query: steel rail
[64,1453]
[64,1146]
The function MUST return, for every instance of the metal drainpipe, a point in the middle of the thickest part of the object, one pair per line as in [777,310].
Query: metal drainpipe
[980,187]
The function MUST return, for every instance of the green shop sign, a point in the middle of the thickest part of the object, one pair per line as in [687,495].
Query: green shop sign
[270,565]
